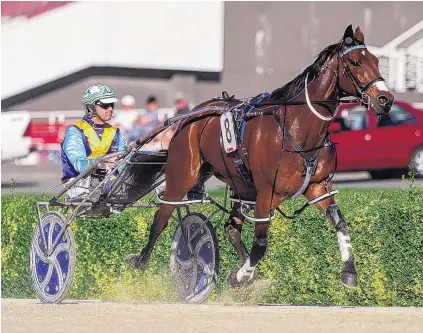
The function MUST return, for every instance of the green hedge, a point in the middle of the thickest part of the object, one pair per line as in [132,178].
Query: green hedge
[302,265]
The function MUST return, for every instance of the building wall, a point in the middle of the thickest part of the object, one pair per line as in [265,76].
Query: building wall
[266,44]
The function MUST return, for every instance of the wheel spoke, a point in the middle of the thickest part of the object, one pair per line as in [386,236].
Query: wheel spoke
[197,231]
[201,242]
[203,264]
[61,247]
[209,271]
[186,264]
[59,273]
[47,278]
[193,282]
[50,235]
[38,250]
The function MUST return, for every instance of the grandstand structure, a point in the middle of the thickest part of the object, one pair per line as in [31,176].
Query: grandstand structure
[401,61]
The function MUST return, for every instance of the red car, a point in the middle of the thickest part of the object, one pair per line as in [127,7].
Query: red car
[381,148]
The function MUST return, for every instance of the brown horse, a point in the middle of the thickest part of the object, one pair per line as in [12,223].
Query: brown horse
[278,147]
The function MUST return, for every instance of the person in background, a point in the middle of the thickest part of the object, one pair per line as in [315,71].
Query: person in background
[127,117]
[151,117]
[139,128]
[93,136]
[181,108]
[181,104]
[146,122]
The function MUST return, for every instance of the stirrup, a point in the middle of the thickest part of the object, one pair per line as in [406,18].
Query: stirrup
[204,199]
[197,192]
[244,210]
[195,195]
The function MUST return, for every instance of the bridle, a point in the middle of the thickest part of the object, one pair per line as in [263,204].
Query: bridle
[363,98]
[361,90]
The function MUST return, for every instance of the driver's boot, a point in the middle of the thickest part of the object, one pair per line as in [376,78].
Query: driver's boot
[197,192]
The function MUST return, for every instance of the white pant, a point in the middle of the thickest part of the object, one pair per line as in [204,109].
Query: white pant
[80,188]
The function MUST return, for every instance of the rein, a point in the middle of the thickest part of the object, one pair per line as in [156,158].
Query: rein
[312,109]
[361,90]
[277,102]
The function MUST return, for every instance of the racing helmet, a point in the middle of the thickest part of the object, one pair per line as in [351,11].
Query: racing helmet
[97,92]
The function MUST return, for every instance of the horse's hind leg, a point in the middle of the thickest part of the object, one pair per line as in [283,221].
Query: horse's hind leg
[332,211]
[198,190]
[233,228]
[182,170]
[245,275]
[160,222]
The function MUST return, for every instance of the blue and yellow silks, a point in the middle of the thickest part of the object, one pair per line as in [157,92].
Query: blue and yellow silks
[85,142]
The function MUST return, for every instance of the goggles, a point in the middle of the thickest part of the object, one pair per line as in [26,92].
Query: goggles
[105,106]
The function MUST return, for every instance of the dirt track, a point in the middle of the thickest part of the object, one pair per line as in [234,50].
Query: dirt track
[93,316]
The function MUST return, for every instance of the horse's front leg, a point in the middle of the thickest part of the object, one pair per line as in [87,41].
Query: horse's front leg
[332,211]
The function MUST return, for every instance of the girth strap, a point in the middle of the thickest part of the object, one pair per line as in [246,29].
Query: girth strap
[241,168]
[310,161]
[251,108]
[240,165]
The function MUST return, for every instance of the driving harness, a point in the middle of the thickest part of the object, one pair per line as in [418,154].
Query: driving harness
[247,109]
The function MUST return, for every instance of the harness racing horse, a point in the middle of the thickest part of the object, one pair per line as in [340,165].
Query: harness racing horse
[285,148]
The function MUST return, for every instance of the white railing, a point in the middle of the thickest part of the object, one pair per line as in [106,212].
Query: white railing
[401,69]
[401,63]
[59,117]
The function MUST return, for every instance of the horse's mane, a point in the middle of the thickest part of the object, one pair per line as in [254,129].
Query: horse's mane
[294,87]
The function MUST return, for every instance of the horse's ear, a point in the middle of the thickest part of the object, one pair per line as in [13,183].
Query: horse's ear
[358,35]
[348,35]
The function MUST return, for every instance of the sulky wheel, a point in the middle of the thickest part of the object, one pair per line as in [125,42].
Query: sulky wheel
[417,161]
[195,276]
[52,275]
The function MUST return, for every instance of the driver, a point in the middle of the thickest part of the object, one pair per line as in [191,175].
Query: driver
[91,138]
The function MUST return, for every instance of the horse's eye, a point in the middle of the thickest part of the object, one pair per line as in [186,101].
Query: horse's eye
[355,63]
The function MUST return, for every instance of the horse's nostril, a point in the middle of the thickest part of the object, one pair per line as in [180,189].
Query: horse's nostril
[382,100]
[388,106]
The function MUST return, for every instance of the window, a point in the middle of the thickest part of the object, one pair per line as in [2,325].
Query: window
[353,119]
[397,116]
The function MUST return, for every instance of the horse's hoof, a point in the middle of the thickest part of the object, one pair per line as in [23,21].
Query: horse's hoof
[137,261]
[349,280]
[234,283]
[232,280]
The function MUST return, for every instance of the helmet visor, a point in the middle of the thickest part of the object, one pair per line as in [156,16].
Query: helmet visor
[109,100]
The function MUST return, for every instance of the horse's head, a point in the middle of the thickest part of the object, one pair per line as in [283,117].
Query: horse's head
[360,74]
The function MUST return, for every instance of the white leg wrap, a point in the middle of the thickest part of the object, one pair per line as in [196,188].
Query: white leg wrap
[245,271]
[344,245]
